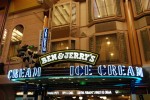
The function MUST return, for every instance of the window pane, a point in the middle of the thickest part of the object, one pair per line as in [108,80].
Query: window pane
[91,44]
[145,4]
[61,14]
[122,48]
[107,47]
[73,13]
[138,6]
[145,37]
[106,8]
[72,44]
[118,8]
[141,5]
[61,45]
[112,48]
[89,11]
[110,5]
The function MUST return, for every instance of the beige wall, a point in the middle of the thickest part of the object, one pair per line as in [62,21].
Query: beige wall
[18,5]
[32,22]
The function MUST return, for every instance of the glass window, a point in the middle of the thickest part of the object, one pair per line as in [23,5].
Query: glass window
[62,14]
[145,39]
[61,45]
[16,39]
[111,48]
[106,8]
[141,5]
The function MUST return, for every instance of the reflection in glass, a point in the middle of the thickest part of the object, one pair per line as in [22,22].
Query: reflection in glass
[141,5]
[62,14]
[107,47]
[106,8]
[61,45]
[145,37]
[112,48]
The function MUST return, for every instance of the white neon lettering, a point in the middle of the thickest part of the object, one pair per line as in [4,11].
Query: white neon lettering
[71,70]
[71,55]
[92,58]
[77,70]
[44,60]
[109,70]
[100,70]
[54,57]
[139,72]
[130,71]
[81,56]
[9,74]
[66,55]
[76,55]
[39,71]
[60,56]
[114,70]
[28,72]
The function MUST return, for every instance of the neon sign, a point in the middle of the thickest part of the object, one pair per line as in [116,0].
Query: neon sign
[44,40]
[69,56]
[109,70]
[24,73]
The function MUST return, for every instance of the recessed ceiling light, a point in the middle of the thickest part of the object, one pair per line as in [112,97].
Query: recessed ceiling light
[74,97]
[122,95]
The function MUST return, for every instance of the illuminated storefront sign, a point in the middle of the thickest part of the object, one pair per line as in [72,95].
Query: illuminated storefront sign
[109,70]
[78,92]
[24,73]
[44,40]
[69,56]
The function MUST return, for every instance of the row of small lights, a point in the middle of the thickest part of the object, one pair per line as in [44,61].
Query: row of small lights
[70,80]
[102,97]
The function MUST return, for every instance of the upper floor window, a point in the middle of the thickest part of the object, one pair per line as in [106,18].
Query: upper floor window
[144,37]
[16,39]
[111,48]
[104,8]
[64,14]
[61,45]
[142,5]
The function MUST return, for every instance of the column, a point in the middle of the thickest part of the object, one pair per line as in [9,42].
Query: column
[133,39]
[39,92]
[132,88]
[25,92]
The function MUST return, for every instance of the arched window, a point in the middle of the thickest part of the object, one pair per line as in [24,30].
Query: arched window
[16,39]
